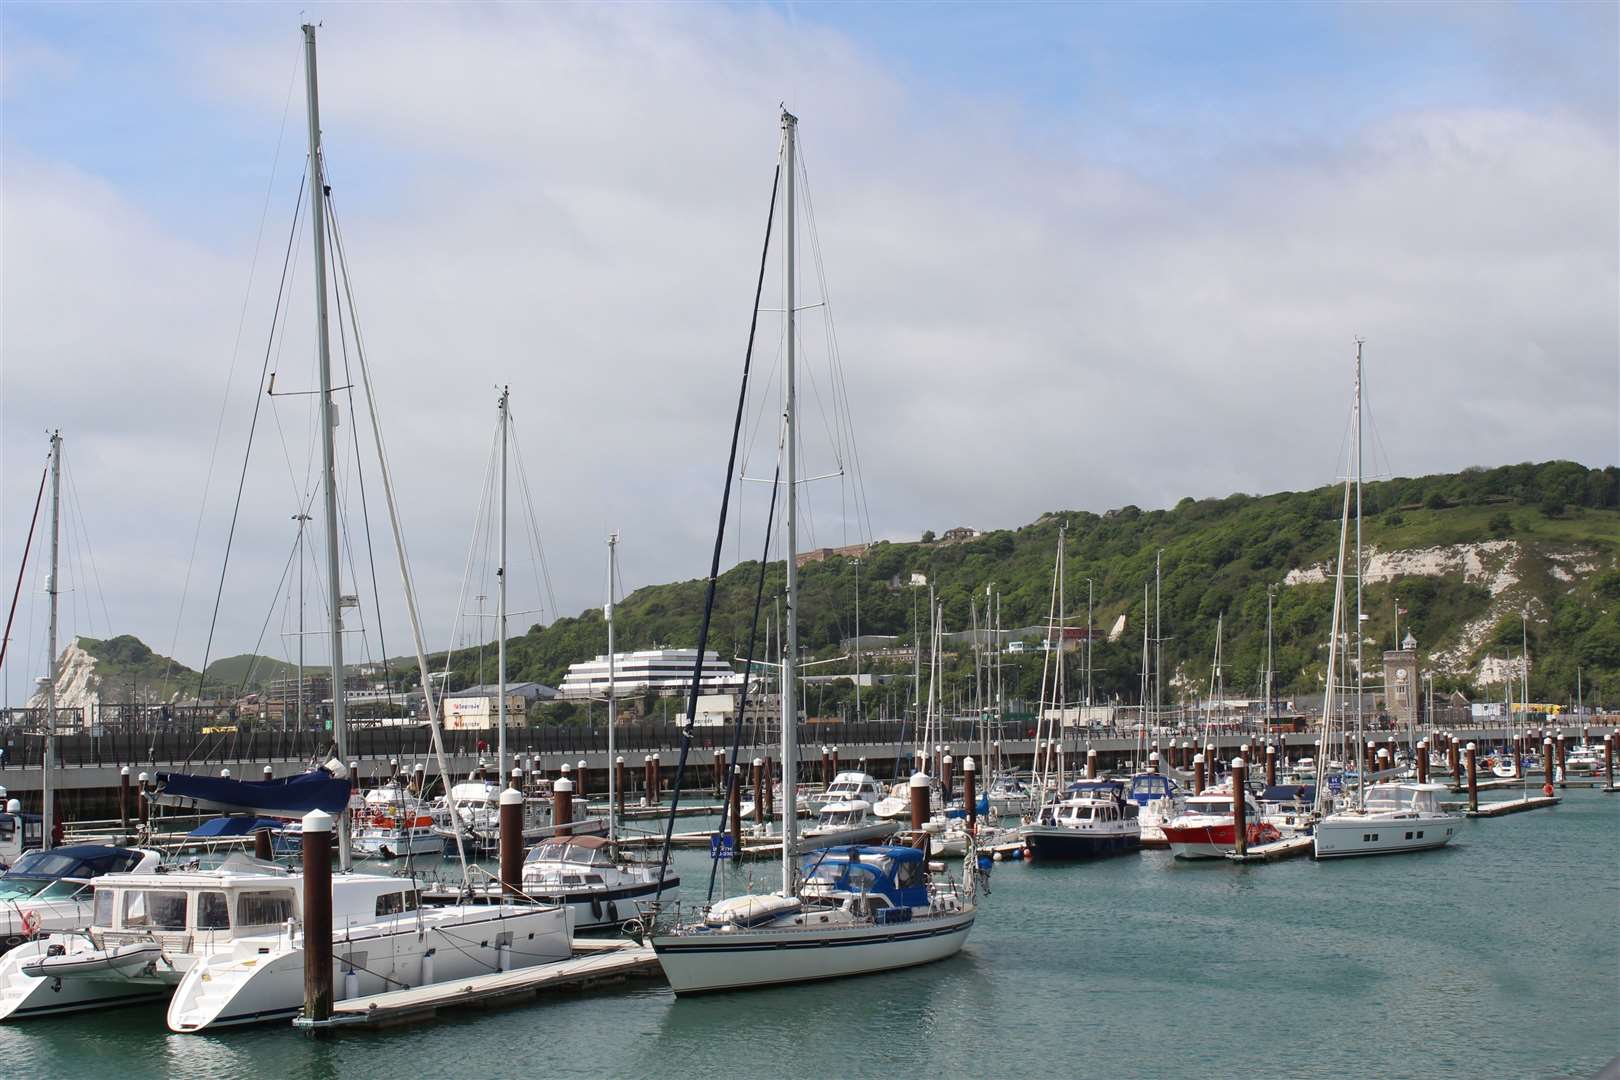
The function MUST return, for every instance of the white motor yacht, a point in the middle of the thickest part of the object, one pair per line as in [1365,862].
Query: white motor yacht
[47,891]
[1393,818]
[599,889]
[1093,819]
[849,822]
[847,786]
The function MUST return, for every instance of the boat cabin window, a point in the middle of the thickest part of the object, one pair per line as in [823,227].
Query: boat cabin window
[105,900]
[264,907]
[907,874]
[397,902]
[62,890]
[155,909]
[213,911]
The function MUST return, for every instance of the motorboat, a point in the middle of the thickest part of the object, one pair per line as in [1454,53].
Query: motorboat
[46,891]
[600,888]
[849,822]
[1093,819]
[1158,799]
[1205,829]
[1390,819]
[19,832]
[1009,796]
[847,786]
[802,803]
[400,834]
[1584,760]
[1291,808]
[897,804]
[477,803]
[859,910]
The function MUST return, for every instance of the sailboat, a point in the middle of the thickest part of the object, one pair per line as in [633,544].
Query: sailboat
[591,875]
[1386,818]
[223,944]
[845,911]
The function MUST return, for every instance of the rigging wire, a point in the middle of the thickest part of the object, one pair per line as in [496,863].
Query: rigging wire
[84,529]
[22,571]
[714,564]
[230,375]
[536,541]
[359,469]
[236,510]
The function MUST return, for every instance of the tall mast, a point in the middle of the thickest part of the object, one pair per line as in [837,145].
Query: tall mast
[500,600]
[612,696]
[1361,734]
[857,639]
[1265,693]
[48,826]
[317,222]
[301,518]
[1158,639]
[790,655]
[1089,702]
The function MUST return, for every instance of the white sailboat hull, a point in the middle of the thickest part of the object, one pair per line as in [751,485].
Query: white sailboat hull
[1340,836]
[732,959]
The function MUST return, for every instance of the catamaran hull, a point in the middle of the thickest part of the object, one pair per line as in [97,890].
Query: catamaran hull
[85,979]
[704,963]
[249,987]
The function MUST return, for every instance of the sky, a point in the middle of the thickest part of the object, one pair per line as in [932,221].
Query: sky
[1074,256]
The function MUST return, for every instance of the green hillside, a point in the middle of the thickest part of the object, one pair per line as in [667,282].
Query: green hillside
[1538,535]
[128,670]
[246,672]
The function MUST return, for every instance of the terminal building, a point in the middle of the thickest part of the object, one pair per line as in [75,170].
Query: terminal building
[659,671]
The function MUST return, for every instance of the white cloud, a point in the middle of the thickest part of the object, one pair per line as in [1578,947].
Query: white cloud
[570,200]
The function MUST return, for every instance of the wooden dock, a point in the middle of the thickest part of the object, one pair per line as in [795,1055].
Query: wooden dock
[593,963]
[1289,847]
[1513,806]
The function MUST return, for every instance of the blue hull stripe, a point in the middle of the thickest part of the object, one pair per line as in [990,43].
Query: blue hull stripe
[814,943]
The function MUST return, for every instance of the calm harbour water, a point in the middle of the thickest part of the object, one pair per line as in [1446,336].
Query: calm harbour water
[1497,957]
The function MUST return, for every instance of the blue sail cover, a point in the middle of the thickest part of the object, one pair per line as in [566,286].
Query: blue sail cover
[236,826]
[292,796]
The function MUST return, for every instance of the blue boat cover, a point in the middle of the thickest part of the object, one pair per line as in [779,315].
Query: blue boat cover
[236,826]
[292,796]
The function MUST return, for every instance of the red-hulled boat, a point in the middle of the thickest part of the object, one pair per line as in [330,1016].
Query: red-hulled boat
[1204,830]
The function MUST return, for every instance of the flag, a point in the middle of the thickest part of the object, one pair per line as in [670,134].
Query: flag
[1400,611]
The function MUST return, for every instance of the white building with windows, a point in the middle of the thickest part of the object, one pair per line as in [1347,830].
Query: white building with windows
[661,671]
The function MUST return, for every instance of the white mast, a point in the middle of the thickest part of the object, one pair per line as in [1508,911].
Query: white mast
[857,639]
[500,601]
[1265,691]
[612,687]
[1361,734]
[317,220]
[301,518]
[48,826]
[790,655]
